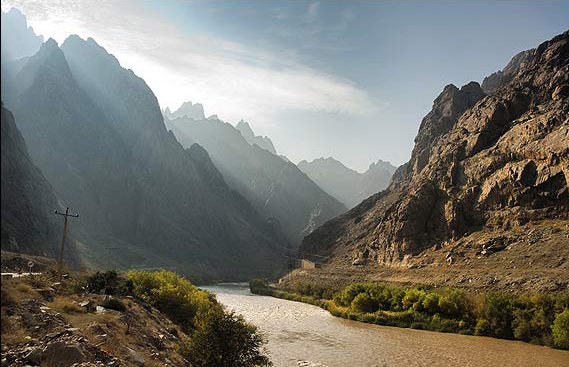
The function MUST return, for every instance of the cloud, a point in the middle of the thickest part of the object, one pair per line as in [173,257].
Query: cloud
[231,79]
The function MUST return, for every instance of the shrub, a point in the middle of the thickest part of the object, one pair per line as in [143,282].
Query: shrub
[174,295]
[482,327]
[363,303]
[257,284]
[560,330]
[431,303]
[498,313]
[109,283]
[347,295]
[413,297]
[114,304]
[224,340]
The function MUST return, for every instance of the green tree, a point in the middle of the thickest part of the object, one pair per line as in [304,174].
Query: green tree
[225,340]
[560,330]
[363,303]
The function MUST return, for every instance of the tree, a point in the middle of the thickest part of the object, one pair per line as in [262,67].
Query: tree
[560,330]
[224,339]
[363,303]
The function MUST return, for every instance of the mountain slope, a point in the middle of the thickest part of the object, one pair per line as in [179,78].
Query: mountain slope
[277,188]
[484,170]
[28,223]
[97,132]
[345,184]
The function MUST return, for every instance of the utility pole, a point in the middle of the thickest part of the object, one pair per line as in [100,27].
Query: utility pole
[110,264]
[65,215]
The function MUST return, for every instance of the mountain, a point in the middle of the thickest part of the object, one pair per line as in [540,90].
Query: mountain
[187,109]
[277,188]
[97,133]
[262,141]
[345,184]
[18,40]
[29,225]
[488,173]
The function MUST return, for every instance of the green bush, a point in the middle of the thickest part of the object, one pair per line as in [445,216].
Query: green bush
[498,311]
[431,303]
[113,304]
[258,284]
[174,295]
[363,303]
[482,327]
[109,283]
[413,299]
[224,340]
[560,330]
[347,295]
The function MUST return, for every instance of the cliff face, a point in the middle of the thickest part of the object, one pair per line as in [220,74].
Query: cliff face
[96,131]
[480,162]
[28,200]
[275,187]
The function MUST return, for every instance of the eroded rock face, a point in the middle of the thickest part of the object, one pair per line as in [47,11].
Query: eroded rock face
[479,161]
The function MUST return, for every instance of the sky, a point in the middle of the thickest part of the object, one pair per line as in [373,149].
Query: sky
[347,79]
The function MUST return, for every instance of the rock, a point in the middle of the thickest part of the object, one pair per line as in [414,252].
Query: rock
[34,356]
[88,305]
[135,357]
[59,354]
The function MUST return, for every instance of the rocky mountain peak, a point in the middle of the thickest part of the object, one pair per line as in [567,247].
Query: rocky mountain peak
[447,108]
[187,109]
[481,163]
[262,141]
[18,40]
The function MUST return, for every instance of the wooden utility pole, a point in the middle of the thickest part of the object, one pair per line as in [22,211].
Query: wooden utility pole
[65,215]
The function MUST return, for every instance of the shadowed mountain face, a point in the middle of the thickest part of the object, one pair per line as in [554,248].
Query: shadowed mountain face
[97,132]
[345,184]
[28,223]
[490,162]
[277,188]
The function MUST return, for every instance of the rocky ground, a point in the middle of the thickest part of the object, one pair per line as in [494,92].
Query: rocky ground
[529,258]
[51,326]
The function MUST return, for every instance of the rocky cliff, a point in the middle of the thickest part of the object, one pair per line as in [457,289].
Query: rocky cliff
[482,163]
[96,131]
[345,184]
[28,223]
[262,141]
[277,188]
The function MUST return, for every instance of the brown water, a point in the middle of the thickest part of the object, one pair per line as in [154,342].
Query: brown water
[304,335]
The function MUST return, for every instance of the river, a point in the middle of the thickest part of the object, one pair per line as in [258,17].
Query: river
[299,334]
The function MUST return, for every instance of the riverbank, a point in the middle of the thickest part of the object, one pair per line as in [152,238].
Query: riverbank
[537,318]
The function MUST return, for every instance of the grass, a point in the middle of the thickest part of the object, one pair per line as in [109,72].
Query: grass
[66,305]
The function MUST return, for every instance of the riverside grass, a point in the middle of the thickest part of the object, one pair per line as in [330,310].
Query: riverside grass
[535,318]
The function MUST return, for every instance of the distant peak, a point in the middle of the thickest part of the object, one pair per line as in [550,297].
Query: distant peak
[213,117]
[51,43]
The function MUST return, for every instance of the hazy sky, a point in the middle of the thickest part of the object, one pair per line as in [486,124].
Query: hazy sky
[346,79]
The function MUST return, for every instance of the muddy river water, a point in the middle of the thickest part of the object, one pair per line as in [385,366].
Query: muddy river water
[304,335]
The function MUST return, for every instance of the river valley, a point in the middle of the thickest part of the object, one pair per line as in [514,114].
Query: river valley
[304,335]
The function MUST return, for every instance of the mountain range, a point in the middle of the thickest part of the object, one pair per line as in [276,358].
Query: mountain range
[96,132]
[274,186]
[349,186]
